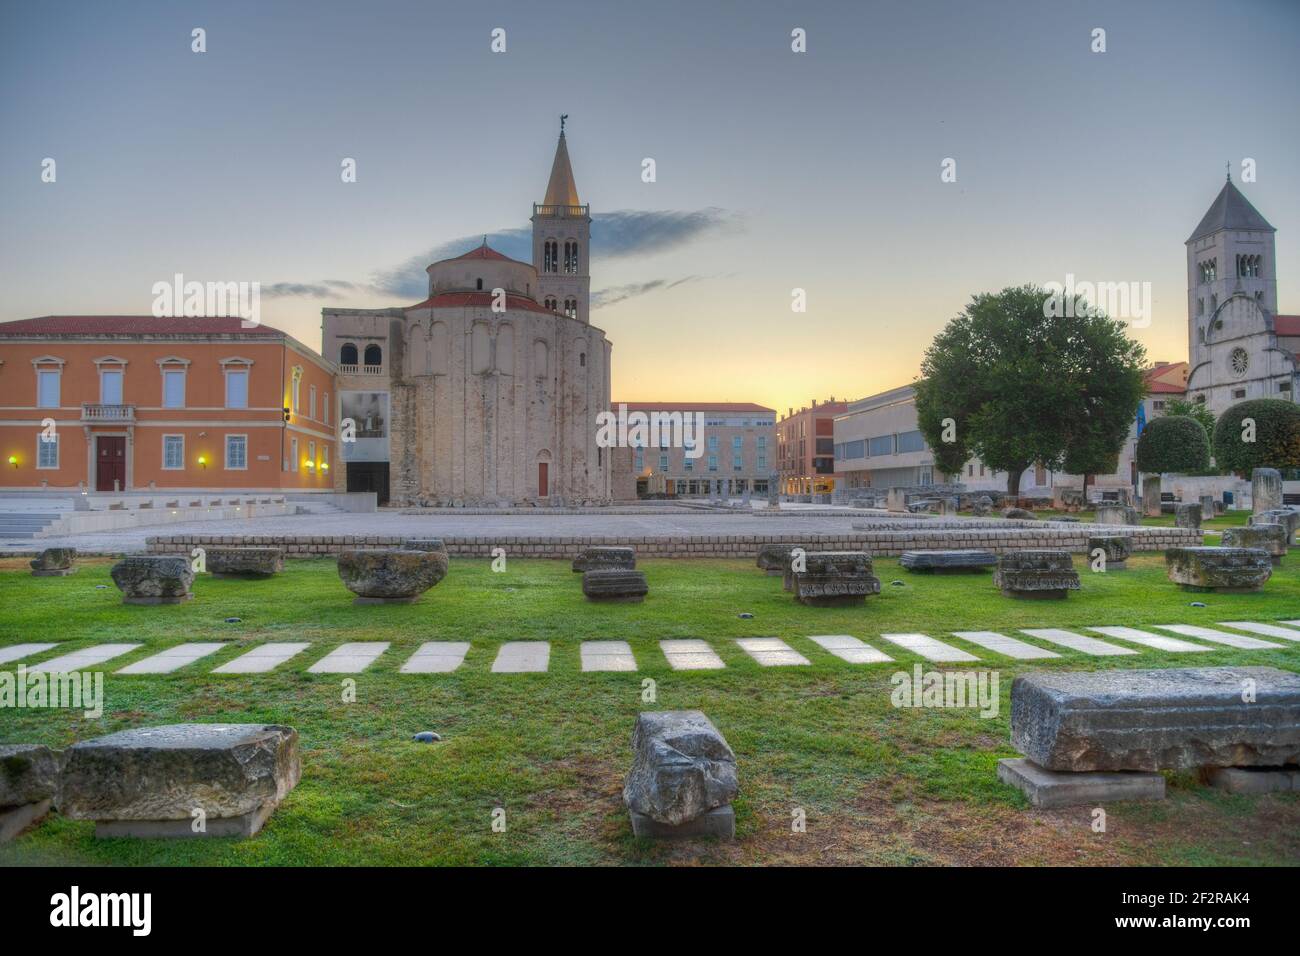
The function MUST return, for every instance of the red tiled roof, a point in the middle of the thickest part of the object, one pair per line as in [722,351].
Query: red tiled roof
[1286,324]
[462,300]
[694,407]
[1165,388]
[133,325]
[484,252]
[1154,378]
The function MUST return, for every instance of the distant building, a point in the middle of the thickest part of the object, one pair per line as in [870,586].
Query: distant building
[138,403]
[737,447]
[1239,347]
[488,391]
[806,448]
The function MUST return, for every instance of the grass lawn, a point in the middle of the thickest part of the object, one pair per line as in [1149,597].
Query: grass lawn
[1229,519]
[878,784]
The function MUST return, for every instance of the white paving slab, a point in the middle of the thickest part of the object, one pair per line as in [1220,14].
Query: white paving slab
[850,649]
[1008,646]
[929,648]
[520,657]
[87,657]
[772,652]
[436,657]
[1077,642]
[1268,630]
[607,656]
[1295,623]
[1146,639]
[17,651]
[350,658]
[1219,637]
[690,654]
[263,658]
[172,659]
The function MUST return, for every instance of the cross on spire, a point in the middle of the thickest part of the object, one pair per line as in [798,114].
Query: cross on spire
[563,117]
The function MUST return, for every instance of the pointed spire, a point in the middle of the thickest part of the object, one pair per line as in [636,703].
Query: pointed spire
[561,190]
[1230,210]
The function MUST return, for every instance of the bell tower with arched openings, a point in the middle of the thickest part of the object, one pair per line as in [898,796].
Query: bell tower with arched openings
[562,241]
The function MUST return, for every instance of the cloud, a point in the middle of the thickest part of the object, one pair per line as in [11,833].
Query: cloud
[325,289]
[619,293]
[624,232]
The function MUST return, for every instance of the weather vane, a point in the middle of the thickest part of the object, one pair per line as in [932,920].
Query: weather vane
[563,117]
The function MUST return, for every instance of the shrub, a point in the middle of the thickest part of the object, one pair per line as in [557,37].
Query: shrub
[1276,434]
[1173,443]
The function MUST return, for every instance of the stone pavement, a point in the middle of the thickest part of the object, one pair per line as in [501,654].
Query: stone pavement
[682,654]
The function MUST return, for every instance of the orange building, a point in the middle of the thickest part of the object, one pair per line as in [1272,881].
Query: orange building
[138,403]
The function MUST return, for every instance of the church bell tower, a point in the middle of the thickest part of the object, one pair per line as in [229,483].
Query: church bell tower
[562,240]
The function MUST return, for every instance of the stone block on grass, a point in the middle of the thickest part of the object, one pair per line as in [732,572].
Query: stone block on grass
[29,784]
[1116,514]
[244,562]
[683,772]
[151,781]
[1117,548]
[954,561]
[614,585]
[605,558]
[54,563]
[835,579]
[1036,573]
[1271,538]
[1218,569]
[154,579]
[1175,719]
[390,577]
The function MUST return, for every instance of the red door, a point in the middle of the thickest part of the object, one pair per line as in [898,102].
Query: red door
[110,463]
[541,479]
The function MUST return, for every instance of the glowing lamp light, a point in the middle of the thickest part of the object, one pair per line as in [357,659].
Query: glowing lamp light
[13,460]
[203,461]
[310,465]
[324,466]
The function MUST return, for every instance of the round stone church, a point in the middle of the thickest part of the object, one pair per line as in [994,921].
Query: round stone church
[486,393]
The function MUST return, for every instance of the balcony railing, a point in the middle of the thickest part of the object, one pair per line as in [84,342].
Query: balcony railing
[361,370]
[565,211]
[93,412]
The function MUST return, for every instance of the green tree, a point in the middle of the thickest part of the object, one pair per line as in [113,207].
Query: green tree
[1196,410]
[1174,443]
[1260,433]
[1015,381]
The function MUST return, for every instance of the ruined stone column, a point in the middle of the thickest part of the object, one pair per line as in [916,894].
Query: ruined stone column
[1265,490]
[1151,496]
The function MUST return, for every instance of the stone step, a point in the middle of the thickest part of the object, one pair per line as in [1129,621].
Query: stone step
[172,659]
[436,657]
[1077,642]
[607,656]
[850,649]
[1007,646]
[929,648]
[690,654]
[772,652]
[350,658]
[86,657]
[1268,630]
[1219,637]
[264,658]
[521,657]
[1156,641]
[18,651]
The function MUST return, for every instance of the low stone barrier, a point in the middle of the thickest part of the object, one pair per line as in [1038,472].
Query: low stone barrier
[683,777]
[1068,537]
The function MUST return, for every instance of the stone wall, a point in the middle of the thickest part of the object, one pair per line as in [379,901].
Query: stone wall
[744,546]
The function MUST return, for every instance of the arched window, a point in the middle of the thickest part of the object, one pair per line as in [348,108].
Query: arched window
[582,359]
[374,355]
[571,257]
[480,284]
[348,354]
[550,256]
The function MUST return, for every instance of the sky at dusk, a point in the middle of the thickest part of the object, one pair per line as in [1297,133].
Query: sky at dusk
[775,170]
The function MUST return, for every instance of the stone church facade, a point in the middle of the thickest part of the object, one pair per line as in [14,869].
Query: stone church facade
[487,392]
[1239,347]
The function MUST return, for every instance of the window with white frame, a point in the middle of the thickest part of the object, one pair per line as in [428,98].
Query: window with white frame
[325,409]
[173,452]
[48,387]
[237,452]
[311,454]
[110,386]
[295,401]
[311,402]
[293,454]
[237,387]
[173,388]
[47,451]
